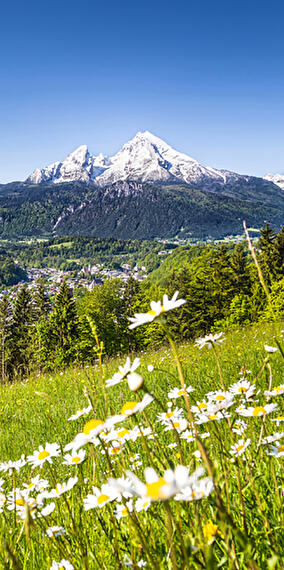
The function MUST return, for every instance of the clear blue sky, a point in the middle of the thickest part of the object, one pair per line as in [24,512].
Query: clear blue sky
[206,76]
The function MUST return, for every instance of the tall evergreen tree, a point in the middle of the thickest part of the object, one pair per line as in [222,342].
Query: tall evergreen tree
[22,331]
[5,338]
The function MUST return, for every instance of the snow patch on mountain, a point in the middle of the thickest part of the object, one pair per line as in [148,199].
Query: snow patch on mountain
[278,179]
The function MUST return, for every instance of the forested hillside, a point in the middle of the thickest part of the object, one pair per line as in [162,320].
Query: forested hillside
[219,283]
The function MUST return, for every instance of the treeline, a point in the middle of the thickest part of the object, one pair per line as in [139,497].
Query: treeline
[220,285]
[66,253]
[10,272]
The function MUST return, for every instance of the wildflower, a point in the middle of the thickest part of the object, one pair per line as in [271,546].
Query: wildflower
[134,381]
[270,349]
[123,372]
[177,392]
[197,455]
[74,458]
[277,391]
[157,308]
[272,438]
[100,497]
[239,427]
[44,454]
[178,424]
[150,367]
[79,413]
[55,531]
[124,510]
[276,450]
[61,488]
[130,408]
[209,340]
[47,510]
[242,388]
[156,488]
[278,420]
[256,411]
[239,448]
[13,465]
[62,565]
[165,417]
[36,484]
[196,488]
[142,504]
[210,530]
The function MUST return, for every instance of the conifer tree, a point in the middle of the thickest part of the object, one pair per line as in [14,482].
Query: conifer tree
[22,331]
[5,337]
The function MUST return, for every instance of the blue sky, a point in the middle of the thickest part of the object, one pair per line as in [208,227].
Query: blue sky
[207,77]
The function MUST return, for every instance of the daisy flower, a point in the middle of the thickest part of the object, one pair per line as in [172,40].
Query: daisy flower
[61,488]
[62,565]
[157,308]
[177,392]
[242,388]
[256,411]
[278,391]
[123,510]
[239,427]
[278,420]
[209,340]
[43,454]
[130,408]
[197,488]
[272,438]
[155,488]
[75,457]
[276,450]
[55,531]
[100,497]
[239,447]
[123,371]
[79,413]
[13,465]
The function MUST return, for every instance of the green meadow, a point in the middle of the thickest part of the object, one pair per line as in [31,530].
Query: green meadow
[237,524]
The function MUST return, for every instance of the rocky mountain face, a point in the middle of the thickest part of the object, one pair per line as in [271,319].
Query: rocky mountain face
[146,190]
[145,158]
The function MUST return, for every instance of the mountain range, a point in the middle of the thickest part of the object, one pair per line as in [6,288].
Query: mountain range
[147,189]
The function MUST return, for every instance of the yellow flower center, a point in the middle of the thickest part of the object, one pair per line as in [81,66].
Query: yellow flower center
[123,432]
[154,490]
[239,448]
[202,405]
[278,389]
[102,499]
[213,417]
[20,502]
[176,424]
[242,389]
[180,392]
[43,454]
[128,407]
[220,398]
[92,424]
[76,459]
[281,449]
[169,414]
[124,512]
[258,411]
[115,450]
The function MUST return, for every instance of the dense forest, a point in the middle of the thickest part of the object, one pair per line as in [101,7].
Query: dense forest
[219,283]
[70,252]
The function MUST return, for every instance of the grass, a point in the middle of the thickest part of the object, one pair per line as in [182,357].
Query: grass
[239,525]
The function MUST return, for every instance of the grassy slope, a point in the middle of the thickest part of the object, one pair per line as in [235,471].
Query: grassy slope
[36,411]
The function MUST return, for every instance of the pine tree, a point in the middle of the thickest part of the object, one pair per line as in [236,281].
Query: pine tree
[22,331]
[5,337]
[41,301]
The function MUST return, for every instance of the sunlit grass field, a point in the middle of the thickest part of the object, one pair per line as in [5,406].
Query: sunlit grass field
[238,524]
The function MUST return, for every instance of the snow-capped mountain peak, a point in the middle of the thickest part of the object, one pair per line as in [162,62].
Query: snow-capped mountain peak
[278,179]
[144,158]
